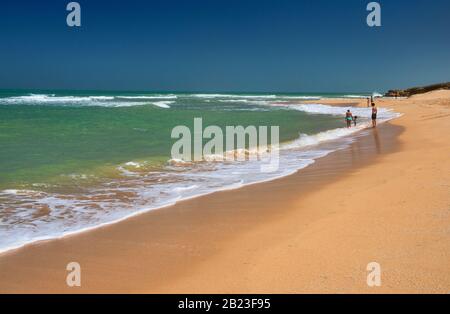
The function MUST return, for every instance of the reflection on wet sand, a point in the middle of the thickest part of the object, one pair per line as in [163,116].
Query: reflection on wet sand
[377,140]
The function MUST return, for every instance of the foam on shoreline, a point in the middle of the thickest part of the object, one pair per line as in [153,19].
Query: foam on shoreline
[156,190]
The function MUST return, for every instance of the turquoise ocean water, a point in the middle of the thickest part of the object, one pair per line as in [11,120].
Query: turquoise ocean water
[71,161]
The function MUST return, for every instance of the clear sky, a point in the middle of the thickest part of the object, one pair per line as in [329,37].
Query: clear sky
[224,45]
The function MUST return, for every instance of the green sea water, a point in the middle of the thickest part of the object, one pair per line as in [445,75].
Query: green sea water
[45,139]
[71,161]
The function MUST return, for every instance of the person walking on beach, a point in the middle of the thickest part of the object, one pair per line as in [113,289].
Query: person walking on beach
[354,120]
[374,114]
[349,118]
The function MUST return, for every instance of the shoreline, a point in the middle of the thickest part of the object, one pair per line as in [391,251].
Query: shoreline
[184,247]
[333,146]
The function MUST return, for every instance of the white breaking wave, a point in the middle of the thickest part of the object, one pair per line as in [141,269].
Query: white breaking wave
[32,99]
[133,164]
[262,97]
[155,99]
[376,94]
[234,96]
[301,97]
[149,97]
[95,101]
[163,104]
[383,113]
[44,99]
[354,96]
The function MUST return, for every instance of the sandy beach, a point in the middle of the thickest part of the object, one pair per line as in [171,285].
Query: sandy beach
[384,199]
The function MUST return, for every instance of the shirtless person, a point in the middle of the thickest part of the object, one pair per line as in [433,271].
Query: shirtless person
[374,115]
[348,118]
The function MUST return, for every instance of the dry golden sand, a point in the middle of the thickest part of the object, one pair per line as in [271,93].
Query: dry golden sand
[385,199]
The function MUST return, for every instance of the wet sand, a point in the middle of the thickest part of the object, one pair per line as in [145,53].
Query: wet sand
[383,199]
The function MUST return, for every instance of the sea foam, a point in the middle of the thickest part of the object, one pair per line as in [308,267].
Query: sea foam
[137,191]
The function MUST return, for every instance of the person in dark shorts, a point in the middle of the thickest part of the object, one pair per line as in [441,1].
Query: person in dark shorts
[348,118]
[374,115]
[354,120]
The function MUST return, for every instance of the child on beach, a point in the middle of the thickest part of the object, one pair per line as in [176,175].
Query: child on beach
[354,120]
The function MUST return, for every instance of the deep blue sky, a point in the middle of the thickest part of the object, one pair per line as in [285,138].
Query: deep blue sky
[224,45]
